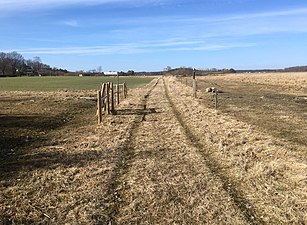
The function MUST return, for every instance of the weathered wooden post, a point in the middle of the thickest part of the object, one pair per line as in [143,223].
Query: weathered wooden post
[194,83]
[112,98]
[103,90]
[117,89]
[99,113]
[108,99]
[215,98]
[124,90]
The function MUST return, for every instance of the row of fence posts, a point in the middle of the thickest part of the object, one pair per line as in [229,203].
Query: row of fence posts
[107,96]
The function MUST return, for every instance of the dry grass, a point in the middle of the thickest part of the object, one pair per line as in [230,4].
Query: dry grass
[140,166]
[65,178]
[271,175]
[275,103]
[290,82]
[167,181]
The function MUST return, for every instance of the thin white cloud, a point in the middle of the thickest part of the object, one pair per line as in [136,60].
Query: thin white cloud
[90,50]
[204,19]
[17,5]
[134,48]
[215,47]
[70,23]
[178,33]
[268,14]
[269,22]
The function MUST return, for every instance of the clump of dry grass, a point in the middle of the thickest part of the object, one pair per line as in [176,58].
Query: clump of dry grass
[266,170]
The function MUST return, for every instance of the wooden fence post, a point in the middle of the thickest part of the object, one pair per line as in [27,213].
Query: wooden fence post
[112,98]
[125,90]
[103,90]
[117,89]
[215,98]
[99,113]
[194,84]
[108,99]
[117,93]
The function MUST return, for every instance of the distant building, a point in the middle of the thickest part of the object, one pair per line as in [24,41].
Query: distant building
[110,73]
[29,70]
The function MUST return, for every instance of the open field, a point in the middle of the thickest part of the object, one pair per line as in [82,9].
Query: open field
[65,83]
[276,103]
[175,161]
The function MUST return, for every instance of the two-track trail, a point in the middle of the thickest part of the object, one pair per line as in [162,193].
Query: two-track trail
[124,156]
[163,178]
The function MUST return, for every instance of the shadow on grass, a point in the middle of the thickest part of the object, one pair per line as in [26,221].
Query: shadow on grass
[140,111]
[19,135]
[18,131]
[30,122]
[46,160]
[24,158]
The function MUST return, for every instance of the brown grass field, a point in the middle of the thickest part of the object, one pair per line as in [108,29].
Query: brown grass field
[177,161]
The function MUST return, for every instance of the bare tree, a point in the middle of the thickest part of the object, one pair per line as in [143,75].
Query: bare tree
[168,68]
[37,64]
[4,62]
[13,63]
[16,62]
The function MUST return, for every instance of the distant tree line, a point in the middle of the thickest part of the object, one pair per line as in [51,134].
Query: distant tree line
[128,73]
[157,73]
[188,71]
[296,69]
[14,64]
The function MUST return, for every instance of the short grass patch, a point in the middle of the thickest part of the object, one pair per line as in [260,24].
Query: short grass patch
[53,83]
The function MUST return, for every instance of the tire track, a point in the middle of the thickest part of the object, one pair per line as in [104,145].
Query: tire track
[238,198]
[125,157]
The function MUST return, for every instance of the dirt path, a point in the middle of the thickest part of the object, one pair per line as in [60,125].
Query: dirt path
[167,180]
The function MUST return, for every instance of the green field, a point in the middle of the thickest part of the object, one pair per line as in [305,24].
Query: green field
[65,83]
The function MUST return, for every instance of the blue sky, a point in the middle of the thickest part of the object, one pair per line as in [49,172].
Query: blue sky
[148,35]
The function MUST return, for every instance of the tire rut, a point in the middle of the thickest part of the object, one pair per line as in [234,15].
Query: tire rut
[238,198]
[125,157]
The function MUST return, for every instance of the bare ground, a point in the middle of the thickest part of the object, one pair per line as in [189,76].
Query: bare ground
[174,161]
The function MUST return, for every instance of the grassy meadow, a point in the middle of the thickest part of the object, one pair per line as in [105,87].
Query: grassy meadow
[52,83]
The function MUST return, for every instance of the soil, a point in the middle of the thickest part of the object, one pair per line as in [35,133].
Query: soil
[163,158]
